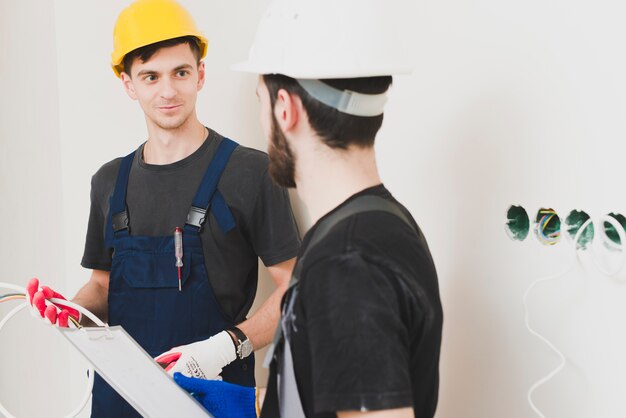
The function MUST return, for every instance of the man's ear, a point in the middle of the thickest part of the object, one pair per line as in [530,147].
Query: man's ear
[287,110]
[127,82]
[201,72]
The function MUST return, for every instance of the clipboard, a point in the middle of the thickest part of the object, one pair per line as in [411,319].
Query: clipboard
[131,371]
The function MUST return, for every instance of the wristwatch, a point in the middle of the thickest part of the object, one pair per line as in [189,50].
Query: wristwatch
[243,345]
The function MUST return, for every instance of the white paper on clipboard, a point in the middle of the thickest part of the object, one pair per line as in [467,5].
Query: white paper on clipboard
[133,373]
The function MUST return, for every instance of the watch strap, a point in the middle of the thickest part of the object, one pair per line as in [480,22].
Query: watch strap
[241,337]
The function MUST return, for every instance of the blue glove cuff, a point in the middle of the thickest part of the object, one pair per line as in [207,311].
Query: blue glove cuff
[222,399]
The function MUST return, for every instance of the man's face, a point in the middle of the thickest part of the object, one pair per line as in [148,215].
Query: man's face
[282,161]
[166,86]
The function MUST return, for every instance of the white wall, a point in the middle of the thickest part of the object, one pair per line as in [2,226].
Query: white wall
[515,103]
[510,103]
[32,356]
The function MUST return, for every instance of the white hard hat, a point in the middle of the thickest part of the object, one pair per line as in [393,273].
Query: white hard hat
[317,39]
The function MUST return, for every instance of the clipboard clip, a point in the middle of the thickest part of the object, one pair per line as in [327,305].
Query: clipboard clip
[98,336]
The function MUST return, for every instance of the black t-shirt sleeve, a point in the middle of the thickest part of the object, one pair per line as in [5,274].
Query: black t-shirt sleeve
[272,229]
[96,255]
[358,341]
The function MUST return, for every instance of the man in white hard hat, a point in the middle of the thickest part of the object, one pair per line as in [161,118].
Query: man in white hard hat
[360,332]
[176,228]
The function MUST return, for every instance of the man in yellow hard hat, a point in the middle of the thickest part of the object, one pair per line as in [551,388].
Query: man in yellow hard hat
[361,325]
[177,226]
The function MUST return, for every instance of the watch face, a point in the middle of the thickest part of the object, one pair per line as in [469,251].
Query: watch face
[245,349]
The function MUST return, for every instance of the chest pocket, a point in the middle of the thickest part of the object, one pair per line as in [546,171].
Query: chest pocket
[148,270]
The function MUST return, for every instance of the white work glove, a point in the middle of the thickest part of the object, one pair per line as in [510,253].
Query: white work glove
[203,359]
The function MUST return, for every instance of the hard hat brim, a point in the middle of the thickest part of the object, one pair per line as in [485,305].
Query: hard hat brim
[117,67]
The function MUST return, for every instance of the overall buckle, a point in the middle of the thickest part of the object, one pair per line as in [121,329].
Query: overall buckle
[119,221]
[196,217]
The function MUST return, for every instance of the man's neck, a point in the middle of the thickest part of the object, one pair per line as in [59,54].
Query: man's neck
[326,177]
[166,146]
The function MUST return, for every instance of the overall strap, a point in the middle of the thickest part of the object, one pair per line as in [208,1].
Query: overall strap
[208,195]
[119,224]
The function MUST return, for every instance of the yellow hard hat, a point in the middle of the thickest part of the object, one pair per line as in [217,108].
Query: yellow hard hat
[145,22]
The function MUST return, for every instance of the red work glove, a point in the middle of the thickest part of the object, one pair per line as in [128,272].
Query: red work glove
[55,314]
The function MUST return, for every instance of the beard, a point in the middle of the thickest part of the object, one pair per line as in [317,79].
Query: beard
[282,166]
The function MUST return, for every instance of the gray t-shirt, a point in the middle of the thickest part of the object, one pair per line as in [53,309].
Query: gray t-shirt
[159,198]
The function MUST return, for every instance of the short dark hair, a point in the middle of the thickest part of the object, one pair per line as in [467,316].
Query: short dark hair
[335,128]
[144,53]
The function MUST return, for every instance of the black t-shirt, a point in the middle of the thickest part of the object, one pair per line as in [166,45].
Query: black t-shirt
[368,318]
[160,196]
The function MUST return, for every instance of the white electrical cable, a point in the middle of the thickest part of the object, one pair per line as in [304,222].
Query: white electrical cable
[26,304]
[80,309]
[10,315]
[12,287]
[622,235]
[561,365]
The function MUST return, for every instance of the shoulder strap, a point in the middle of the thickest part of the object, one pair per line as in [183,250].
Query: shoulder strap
[208,194]
[357,205]
[288,399]
[119,223]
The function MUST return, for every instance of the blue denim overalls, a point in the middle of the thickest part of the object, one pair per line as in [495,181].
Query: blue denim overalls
[143,285]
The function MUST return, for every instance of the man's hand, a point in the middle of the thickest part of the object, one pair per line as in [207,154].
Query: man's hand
[203,359]
[221,399]
[58,315]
